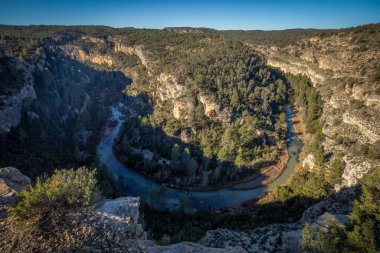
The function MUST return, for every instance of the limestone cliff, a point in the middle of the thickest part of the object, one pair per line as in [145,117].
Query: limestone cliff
[76,52]
[344,70]
[136,50]
[42,98]
[17,88]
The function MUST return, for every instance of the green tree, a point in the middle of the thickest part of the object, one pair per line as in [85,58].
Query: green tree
[192,167]
[365,217]
[315,187]
[334,172]
[125,146]
[207,151]
[235,98]
[64,191]
[316,240]
[176,152]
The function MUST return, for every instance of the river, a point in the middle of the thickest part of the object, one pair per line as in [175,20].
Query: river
[164,198]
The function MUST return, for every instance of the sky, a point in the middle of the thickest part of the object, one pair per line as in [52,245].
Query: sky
[222,15]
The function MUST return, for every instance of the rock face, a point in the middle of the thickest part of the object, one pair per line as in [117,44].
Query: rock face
[286,237]
[309,161]
[297,68]
[168,88]
[18,81]
[356,168]
[370,130]
[11,181]
[193,248]
[182,109]
[121,211]
[137,50]
[77,53]
[212,110]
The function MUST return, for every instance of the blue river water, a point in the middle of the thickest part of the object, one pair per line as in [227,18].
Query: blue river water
[164,198]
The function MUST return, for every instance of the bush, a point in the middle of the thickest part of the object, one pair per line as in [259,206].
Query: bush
[364,230]
[361,234]
[64,191]
[335,171]
[317,240]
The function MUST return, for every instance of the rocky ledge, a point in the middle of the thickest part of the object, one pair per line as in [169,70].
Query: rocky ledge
[111,226]
[11,181]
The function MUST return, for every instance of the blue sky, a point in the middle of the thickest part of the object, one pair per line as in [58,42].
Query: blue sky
[238,14]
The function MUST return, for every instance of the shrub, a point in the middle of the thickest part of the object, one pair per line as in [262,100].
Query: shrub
[364,230]
[64,191]
[317,240]
[361,234]
[165,240]
[335,171]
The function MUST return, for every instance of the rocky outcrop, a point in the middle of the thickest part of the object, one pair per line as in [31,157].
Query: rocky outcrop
[168,87]
[297,68]
[309,161]
[340,203]
[192,247]
[18,82]
[212,110]
[343,69]
[215,111]
[370,129]
[121,216]
[10,113]
[93,39]
[76,52]
[182,108]
[11,181]
[356,168]
[287,237]
[135,50]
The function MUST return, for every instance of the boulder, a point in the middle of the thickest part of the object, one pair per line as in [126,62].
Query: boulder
[190,247]
[122,214]
[11,181]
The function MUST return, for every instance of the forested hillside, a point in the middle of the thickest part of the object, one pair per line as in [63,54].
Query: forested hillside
[205,109]
[52,107]
[211,110]
[218,111]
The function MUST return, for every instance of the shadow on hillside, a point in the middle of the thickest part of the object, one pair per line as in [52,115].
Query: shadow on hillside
[292,209]
[71,98]
[161,166]
[181,226]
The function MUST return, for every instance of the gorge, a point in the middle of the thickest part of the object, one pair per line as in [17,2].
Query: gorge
[164,198]
[237,141]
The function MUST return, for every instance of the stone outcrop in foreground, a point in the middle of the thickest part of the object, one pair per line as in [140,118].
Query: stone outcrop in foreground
[111,226]
[11,181]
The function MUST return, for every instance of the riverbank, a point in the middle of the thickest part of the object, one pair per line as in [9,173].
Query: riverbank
[300,131]
[265,176]
[259,177]
[298,124]
[163,198]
